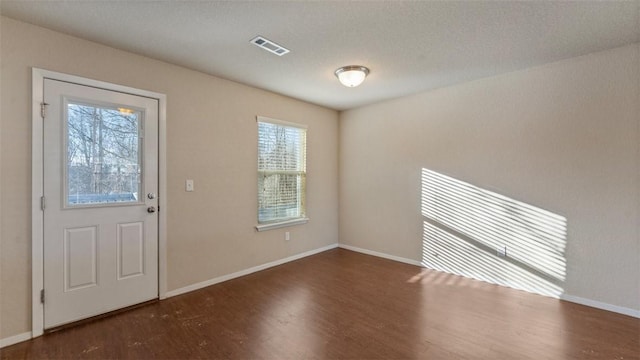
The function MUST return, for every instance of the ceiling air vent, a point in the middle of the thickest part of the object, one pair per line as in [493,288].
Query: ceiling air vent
[269,45]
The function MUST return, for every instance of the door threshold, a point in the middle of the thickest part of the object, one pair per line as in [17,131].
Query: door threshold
[99,317]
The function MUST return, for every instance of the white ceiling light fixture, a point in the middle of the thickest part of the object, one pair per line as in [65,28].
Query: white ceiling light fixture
[352,75]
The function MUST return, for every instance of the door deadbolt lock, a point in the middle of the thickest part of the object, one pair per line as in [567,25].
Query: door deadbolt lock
[151,209]
[151,196]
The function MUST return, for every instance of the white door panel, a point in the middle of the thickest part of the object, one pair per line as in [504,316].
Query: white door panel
[80,254]
[130,250]
[100,162]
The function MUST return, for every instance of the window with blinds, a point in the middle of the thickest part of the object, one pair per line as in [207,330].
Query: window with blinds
[281,171]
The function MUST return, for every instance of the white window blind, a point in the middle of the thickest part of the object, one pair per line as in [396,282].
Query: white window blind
[281,171]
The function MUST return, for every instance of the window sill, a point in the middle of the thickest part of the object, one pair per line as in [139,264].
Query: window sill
[276,225]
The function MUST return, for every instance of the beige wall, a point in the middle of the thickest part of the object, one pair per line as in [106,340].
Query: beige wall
[211,138]
[1,301]
[563,137]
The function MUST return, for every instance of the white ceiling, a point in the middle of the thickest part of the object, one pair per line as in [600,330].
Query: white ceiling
[409,46]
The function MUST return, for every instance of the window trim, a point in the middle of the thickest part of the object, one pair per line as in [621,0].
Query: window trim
[288,222]
[281,224]
[279,122]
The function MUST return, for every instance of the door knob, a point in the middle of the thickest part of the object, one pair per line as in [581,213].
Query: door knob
[151,209]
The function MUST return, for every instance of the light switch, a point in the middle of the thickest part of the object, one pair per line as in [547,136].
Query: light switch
[188,185]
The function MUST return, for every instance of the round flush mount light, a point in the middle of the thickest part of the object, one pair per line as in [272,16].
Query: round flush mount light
[352,75]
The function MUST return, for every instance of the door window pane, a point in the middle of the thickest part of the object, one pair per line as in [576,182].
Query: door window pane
[103,155]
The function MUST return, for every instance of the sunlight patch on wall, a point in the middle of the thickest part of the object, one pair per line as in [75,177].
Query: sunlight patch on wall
[481,234]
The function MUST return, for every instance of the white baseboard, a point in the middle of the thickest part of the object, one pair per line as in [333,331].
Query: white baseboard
[11,340]
[382,255]
[600,305]
[248,271]
[570,298]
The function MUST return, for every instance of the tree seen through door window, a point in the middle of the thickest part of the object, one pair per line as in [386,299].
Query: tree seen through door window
[103,152]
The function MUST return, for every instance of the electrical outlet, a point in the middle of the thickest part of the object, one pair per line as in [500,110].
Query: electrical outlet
[287,236]
[501,251]
[188,185]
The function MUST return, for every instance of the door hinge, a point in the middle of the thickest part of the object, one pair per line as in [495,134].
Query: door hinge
[43,109]
[42,296]
[43,204]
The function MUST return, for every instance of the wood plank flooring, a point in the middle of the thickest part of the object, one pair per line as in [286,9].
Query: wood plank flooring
[345,305]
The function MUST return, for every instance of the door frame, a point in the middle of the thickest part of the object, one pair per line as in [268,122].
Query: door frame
[37,184]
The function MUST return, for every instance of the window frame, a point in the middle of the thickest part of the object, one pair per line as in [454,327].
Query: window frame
[279,223]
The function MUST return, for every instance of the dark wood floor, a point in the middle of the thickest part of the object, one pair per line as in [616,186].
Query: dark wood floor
[345,305]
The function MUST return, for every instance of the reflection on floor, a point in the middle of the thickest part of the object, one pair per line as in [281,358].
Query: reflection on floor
[344,305]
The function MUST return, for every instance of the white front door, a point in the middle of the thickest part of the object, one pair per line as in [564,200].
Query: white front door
[100,201]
